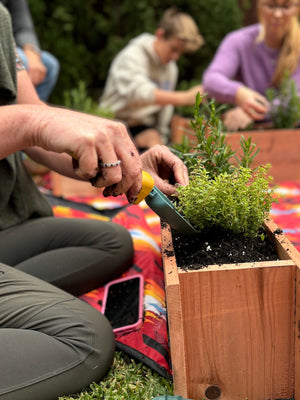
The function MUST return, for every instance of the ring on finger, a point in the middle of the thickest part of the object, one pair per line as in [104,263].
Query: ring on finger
[109,165]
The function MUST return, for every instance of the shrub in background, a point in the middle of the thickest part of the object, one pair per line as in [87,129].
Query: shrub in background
[78,99]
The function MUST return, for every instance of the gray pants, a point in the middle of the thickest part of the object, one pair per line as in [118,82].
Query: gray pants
[76,255]
[52,343]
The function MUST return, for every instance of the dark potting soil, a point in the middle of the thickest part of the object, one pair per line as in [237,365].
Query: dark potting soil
[220,247]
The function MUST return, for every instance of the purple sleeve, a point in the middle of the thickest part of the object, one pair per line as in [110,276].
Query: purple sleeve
[218,79]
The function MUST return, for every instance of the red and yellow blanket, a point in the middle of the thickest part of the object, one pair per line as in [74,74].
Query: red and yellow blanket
[149,343]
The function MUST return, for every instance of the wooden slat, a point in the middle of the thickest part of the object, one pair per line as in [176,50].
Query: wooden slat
[175,319]
[239,332]
[224,267]
[279,147]
[297,338]
[285,249]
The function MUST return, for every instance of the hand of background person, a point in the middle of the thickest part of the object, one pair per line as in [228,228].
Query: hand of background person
[236,119]
[192,93]
[252,102]
[166,168]
[36,69]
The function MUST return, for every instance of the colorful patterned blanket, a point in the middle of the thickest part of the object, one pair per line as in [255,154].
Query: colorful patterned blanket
[149,343]
[286,213]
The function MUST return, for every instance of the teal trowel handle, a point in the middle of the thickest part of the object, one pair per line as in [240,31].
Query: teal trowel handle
[165,209]
[161,205]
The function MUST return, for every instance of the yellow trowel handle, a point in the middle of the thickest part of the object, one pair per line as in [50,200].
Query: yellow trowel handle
[147,186]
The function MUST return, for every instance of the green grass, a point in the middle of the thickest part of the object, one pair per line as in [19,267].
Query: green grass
[127,379]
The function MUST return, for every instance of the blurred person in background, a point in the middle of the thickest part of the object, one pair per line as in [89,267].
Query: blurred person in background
[254,58]
[42,66]
[141,82]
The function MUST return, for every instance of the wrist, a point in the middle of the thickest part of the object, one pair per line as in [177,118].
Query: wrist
[34,120]
[239,94]
[32,48]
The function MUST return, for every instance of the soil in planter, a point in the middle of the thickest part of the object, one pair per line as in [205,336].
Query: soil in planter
[217,246]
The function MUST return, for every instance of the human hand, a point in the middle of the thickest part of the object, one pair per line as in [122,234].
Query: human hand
[252,102]
[236,119]
[165,168]
[190,94]
[36,69]
[92,141]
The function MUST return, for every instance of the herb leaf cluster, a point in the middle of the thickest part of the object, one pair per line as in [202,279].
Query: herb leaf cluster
[284,104]
[224,190]
[239,201]
[209,145]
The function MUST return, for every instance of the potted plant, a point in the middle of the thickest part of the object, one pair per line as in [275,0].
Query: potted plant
[233,326]
[279,139]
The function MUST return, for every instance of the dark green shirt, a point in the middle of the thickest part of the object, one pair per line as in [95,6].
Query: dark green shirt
[20,199]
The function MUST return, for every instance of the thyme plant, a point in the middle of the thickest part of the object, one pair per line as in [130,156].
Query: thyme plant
[224,190]
[238,201]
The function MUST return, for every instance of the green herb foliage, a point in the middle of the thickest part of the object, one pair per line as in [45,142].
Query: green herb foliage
[210,147]
[285,104]
[223,191]
[239,201]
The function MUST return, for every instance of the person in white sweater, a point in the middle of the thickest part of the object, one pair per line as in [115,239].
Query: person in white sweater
[141,82]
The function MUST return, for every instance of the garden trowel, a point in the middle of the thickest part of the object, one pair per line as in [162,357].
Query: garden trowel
[162,206]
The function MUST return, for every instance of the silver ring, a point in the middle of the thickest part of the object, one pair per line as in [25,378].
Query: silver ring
[109,165]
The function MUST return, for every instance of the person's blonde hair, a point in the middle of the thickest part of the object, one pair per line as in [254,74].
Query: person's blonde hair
[288,59]
[176,23]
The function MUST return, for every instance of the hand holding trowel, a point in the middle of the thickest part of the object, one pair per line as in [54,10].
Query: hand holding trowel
[162,206]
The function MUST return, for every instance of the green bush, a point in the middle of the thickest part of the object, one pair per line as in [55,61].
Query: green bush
[85,35]
[78,99]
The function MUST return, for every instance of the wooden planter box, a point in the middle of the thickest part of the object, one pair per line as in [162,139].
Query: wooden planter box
[279,147]
[235,329]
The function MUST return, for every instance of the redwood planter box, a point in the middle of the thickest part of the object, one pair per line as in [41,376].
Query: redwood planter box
[278,147]
[234,329]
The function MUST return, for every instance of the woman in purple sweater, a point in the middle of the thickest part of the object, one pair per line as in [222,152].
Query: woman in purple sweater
[253,59]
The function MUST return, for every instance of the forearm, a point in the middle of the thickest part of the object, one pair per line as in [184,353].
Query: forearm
[26,93]
[20,127]
[220,87]
[177,98]
[164,97]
